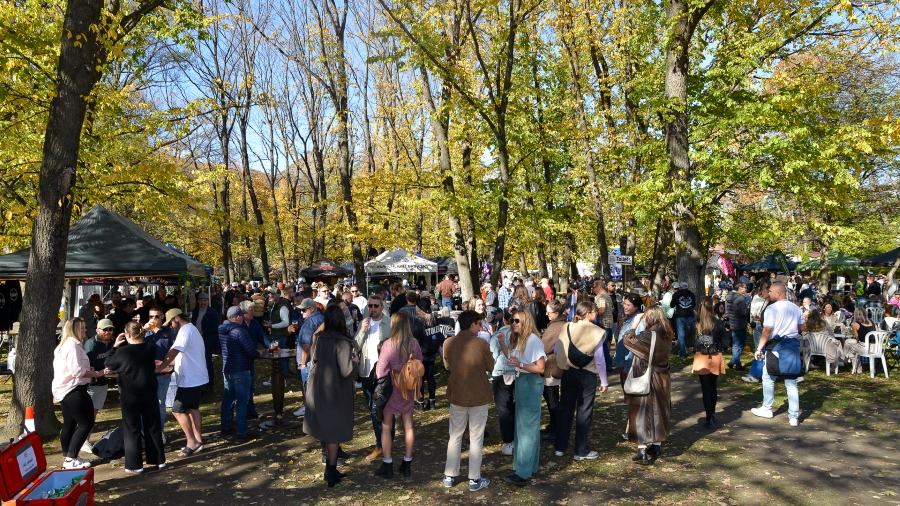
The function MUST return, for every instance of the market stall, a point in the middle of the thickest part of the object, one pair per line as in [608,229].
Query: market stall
[325,271]
[398,263]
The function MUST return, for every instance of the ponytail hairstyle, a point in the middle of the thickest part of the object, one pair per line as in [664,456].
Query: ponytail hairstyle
[582,310]
[133,332]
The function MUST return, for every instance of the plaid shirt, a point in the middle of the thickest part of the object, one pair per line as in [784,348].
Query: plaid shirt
[603,300]
[504,295]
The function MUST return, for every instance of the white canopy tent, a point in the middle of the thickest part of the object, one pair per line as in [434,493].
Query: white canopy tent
[399,262]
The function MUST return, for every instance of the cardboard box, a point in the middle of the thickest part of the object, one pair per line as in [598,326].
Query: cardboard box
[25,481]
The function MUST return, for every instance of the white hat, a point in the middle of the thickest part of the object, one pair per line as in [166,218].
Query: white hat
[676,285]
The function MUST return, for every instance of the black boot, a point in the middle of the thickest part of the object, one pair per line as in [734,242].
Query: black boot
[420,406]
[406,468]
[641,457]
[332,476]
[654,451]
[386,471]
[431,405]
[709,423]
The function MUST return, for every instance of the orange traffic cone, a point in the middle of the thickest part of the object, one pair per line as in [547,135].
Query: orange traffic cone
[29,419]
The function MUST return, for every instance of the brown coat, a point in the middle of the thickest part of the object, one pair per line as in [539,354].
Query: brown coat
[468,357]
[329,391]
[549,338]
[649,415]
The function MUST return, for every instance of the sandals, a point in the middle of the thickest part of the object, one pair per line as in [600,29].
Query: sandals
[188,451]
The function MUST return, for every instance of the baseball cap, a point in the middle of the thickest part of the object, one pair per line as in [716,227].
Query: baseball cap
[171,314]
[411,295]
[235,311]
[105,324]
[676,285]
[307,303]
[234,283]
[202,295]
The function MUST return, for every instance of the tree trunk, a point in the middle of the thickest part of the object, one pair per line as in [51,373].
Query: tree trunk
[824,285]
[660,256]
[691,258]
[243,119]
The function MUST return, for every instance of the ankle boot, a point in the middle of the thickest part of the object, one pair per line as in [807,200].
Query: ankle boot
[641,457]
[431,405]
[406,468]
[654,451]
[386,470]
[332,477]
[420,406]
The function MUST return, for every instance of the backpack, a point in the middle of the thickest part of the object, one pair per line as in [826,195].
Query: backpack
[409,378]
[706,345]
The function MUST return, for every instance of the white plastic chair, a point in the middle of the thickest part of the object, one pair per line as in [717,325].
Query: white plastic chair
[876,314]
[816,343]
[874,349]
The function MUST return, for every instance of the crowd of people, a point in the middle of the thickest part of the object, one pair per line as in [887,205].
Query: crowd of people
[521,346]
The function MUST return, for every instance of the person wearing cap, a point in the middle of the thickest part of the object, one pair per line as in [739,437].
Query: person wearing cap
[237,351]
[206,319]
[96,348]
[312,318]
[189,356]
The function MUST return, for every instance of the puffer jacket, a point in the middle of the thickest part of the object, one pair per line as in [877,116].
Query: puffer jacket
[736,308]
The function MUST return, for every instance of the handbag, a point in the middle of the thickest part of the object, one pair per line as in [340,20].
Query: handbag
[383,390]
[640,385]
[553,370]
[576,357]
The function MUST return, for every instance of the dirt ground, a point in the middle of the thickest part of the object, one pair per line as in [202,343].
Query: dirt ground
[844,452]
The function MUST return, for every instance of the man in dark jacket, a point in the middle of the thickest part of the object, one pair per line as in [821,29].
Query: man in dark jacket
[684,301]
[737,311]
[207,322]
[237,351]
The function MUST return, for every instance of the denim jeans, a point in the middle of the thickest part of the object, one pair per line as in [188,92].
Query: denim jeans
[738,341]
[684,328]
[793,393]
[376,425]
[162,388]
[577,392]
[447,303]
[237,391]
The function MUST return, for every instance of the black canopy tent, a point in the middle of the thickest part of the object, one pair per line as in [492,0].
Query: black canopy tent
[767,264]
[883,260]
[325,268]
[105,244]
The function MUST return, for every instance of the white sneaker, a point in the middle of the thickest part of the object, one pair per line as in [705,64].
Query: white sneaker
[76,463]
[268,382]
[750,379]
[449,481]
[358,385]
[301,411]
[507,449]
[762,412]
[134,471]
[590,456]
[480,483]
[800,379]
[558,453]
[794,422]
[87,447]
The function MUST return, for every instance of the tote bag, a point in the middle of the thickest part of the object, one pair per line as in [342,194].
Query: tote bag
[640,385]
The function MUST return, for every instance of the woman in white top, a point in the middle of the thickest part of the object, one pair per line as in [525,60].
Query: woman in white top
[526,355]
[72,372]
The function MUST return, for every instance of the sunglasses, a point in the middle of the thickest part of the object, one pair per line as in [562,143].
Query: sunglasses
[374,305]
[516,320]
[154,316]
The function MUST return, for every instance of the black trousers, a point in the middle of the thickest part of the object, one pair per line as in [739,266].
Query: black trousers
[137,412]
[710,393]
[78,420]
[209,344]
[551,397]
[505,400]
[429,378]
[578,389]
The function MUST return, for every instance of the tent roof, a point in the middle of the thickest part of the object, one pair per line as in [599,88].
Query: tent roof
[767,264]
[836,259]
[399,262]
[325,268]
[882,260]
[106,244]
[445,264]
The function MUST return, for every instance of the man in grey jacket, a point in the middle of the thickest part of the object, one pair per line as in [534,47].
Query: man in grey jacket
[737,311]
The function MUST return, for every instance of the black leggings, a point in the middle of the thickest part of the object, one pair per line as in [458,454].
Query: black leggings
[710,394]
[429,377]
[551,397]
[78,420]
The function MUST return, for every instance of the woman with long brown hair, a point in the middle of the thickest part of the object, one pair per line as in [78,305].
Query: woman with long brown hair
[394,354]
[648,415]
[711,340]
[526,355]
[579,353]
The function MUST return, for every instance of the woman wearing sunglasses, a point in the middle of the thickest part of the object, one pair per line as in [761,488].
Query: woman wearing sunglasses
[526,355]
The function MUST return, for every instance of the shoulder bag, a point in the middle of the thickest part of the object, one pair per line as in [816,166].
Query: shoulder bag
[640,385]
[576,357]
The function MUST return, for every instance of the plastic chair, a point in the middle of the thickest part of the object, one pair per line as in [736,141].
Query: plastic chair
[874,349]
[876,314]
[816,343]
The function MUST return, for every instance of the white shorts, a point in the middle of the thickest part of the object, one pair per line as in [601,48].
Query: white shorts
[98,395]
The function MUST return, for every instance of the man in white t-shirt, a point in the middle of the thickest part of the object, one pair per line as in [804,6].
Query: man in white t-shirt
[784,319]
[189,355]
